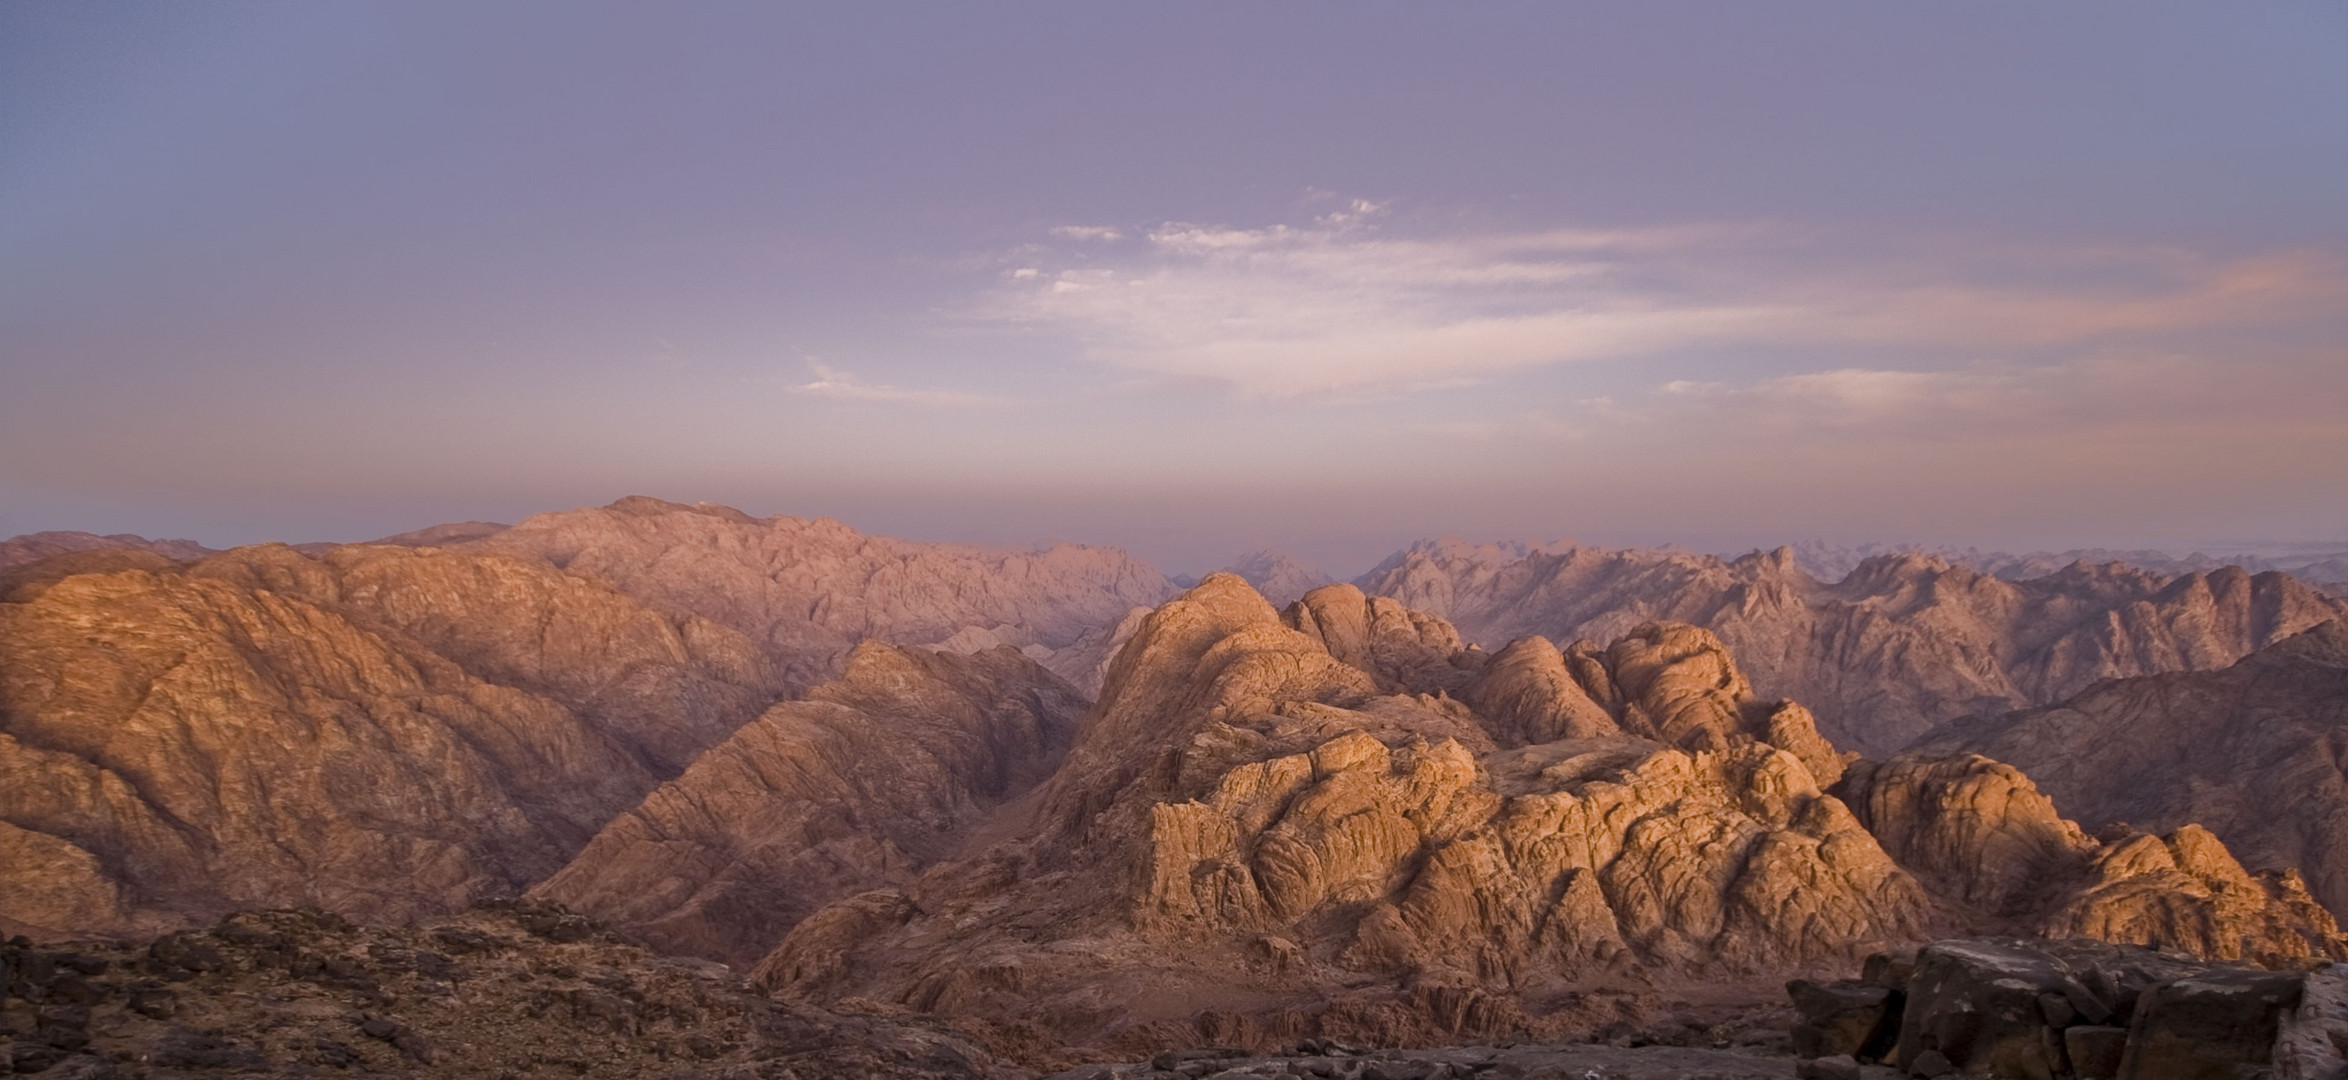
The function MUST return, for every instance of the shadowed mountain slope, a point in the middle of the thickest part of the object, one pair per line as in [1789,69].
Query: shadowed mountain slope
[2256,752]
[864,783]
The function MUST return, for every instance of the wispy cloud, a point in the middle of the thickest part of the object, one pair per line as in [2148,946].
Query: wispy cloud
[1341,304]
[838,385]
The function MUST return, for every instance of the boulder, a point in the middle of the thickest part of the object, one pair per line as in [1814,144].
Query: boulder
[1985,1005]
[1848,1017]
[2095,1050]
[2203,1027]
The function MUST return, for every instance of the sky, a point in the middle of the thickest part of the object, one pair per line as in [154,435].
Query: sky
[1188,279]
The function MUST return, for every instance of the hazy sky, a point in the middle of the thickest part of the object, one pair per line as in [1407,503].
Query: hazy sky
[1192,278]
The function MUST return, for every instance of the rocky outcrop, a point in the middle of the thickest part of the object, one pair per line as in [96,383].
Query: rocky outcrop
[1976,830]
[1278,810]
[1335,822]
[32,547]
[2256,752]
[863,784]
[1904,642]
[807,591]
[505,990]
[387,732]
[2072,1009]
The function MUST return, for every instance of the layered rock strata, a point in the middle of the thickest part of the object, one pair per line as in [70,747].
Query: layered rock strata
[864,783]
[1904,642]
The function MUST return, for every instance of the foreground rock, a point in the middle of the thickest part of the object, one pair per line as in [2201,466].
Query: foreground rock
[2074,1008]
[1339,1061]
[2257,753]
[523,990]
[1903,643]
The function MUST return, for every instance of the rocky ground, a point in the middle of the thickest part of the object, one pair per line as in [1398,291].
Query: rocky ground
[512,990]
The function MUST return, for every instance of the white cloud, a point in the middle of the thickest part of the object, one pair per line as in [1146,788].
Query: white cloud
[1340,306]
[839,385]
[1088,232]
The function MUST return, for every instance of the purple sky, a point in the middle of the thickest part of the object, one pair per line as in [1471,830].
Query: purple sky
[1191,279]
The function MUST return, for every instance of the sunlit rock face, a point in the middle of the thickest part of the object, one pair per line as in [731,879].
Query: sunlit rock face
[1903,643]
[1340,818]
[383,731]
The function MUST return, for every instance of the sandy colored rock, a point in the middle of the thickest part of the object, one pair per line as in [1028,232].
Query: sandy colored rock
[1904,642]
[386,732]
[863,784]
[1273,816]
[1978,831]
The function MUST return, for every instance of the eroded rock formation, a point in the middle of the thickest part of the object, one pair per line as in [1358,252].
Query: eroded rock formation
[1903,643]
[1976,830]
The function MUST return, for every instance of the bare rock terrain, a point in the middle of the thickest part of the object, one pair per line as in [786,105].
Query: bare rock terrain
[864,783]
[1336,822]
[2257,753]
[1905,642]
[385,732]
[503,990]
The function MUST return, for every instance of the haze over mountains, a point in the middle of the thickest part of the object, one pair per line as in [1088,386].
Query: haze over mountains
[1487,789]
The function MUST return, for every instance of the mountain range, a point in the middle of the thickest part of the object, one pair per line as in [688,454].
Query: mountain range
[1083,810]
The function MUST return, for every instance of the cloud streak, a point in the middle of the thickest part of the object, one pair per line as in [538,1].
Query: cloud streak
[1343,305]
[836,385]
